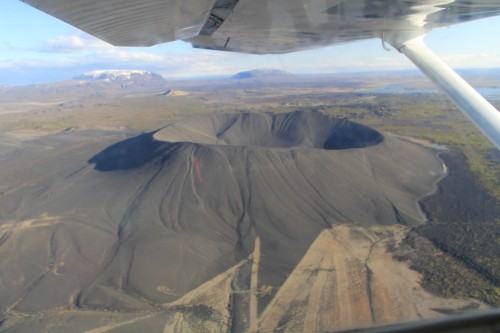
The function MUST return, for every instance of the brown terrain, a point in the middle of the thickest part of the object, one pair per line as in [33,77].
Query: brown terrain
[218,222]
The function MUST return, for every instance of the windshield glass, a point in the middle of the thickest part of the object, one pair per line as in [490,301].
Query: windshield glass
[178,189]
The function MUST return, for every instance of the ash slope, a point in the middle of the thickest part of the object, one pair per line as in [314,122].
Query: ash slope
[291,130]
[156,219]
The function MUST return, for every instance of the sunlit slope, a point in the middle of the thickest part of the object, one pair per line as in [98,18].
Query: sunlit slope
[137,225]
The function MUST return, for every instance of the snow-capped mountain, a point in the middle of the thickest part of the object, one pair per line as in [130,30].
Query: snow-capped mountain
[123,77]
[95,84]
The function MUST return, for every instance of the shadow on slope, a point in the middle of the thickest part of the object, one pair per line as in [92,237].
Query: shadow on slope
[128,154]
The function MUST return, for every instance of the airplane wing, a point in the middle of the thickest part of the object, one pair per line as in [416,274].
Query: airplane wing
[259,26]
[131,22]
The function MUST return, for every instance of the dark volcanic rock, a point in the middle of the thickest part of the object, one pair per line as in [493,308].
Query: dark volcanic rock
[289,130]
[217,182]
[156,216]
[464,219]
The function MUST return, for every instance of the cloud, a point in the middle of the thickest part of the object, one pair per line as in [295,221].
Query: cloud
[81,50]
[65,56]
[72,44]
[172,63]
[472,60]
[68,58]
[193,63]
[127,56]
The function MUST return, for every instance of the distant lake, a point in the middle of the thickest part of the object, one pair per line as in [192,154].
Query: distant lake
[492,93]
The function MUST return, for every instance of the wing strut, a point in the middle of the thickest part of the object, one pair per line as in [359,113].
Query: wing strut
[467,99]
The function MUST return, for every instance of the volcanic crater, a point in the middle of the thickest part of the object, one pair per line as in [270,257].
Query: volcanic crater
[162,214]
[285,130]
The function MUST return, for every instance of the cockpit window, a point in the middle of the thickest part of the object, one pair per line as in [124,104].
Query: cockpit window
[205,185]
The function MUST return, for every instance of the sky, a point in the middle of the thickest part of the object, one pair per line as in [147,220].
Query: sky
[37,48]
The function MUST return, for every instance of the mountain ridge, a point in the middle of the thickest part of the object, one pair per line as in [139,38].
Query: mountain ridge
[116,75]
[262,74]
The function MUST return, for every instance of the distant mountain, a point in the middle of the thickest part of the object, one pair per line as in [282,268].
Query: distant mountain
[262,74]
[123,77]
[95,84]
